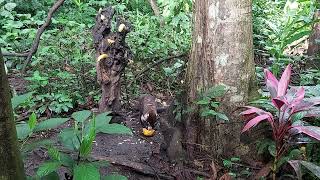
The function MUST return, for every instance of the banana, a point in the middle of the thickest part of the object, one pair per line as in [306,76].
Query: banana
[102,56]
[147,132]
[121,27]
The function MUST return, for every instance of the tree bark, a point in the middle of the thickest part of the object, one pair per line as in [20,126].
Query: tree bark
[10,159]
[222,54]
[112,55]
[156,11]
[314,46]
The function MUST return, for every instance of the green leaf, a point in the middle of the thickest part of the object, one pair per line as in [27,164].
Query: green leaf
[50,124]
[23,130]
[41,143]
[311,167]
[99,164]
[85,172]
[296,37]
[86,144]
[17,100]
[227,163]
[54,153]
[102,119]
[32,121]
[81,116]
[52,176]
[204,101]
[69,139]
[10,6]
[114,129]
[214,104]
[216,91]
[114,177]
[235,159]
[47,168]
[222,116]
[272,150]
[208,112]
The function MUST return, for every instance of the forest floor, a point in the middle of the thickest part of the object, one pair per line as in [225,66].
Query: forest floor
[134,156]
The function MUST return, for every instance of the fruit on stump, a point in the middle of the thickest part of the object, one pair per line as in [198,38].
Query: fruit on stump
[148,132]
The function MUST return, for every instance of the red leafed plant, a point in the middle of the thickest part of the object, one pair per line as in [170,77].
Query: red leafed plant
[289,103]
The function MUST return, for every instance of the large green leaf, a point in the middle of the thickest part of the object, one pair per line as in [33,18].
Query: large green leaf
[81,116]
[102,119]
[69,139]
[86,172]
[50,124]
[312,167]
[23,130]
[114,129]
[114,177]
[47,168]
[17,100]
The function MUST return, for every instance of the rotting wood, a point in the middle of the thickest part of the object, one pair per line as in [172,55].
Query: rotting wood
[112,54]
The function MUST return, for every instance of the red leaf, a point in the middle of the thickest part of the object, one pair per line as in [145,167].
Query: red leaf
[278,103]
[299,97]
[253,122]
[284,81]
[302,106]
[313,112]
[252,110]
[312,131]
[296,166]
[271,82]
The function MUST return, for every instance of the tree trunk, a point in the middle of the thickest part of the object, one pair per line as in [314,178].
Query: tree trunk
[222,54]
[112,55]
[10,159]
[156,11]
[314,46]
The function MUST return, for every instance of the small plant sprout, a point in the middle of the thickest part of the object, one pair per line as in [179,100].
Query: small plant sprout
[292,107]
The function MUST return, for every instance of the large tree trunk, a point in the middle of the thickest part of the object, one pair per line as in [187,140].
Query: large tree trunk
[314,46]
[10,159]
[222,54]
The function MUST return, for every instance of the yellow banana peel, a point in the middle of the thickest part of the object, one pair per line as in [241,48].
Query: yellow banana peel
[149,132]
[121,27]
[102,56]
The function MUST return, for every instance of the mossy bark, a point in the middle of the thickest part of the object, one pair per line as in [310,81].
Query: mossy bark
[10,159]
[222,54]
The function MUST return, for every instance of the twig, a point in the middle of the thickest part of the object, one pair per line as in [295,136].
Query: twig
[36,41]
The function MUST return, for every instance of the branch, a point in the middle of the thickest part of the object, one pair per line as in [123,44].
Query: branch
[138,167]
[23,54]
[36,41]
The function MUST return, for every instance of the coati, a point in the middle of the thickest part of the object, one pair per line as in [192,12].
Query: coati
[148,112]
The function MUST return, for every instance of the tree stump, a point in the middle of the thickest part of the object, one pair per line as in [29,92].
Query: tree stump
[112,55]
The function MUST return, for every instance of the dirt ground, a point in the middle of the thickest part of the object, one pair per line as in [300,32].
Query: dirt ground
[124,149]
